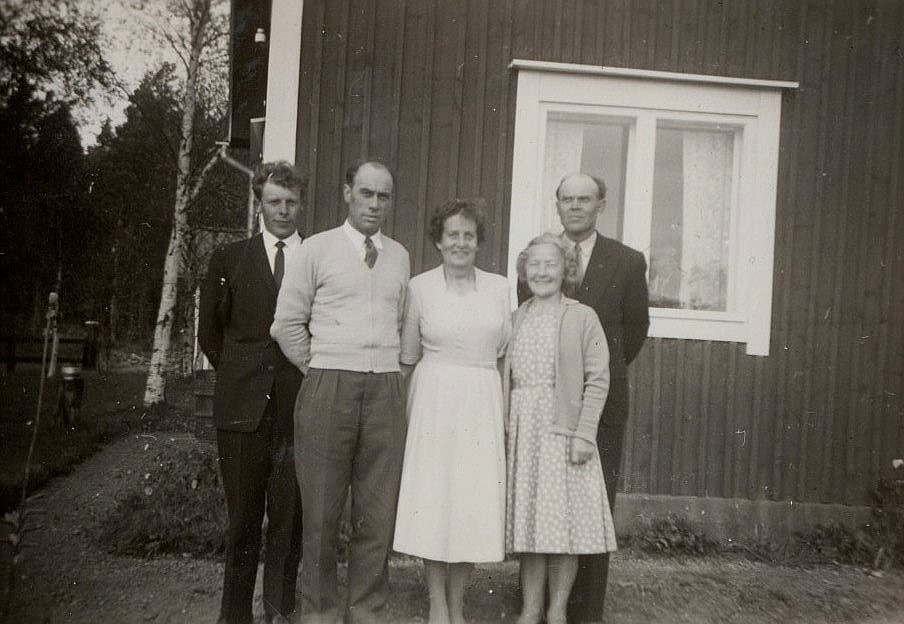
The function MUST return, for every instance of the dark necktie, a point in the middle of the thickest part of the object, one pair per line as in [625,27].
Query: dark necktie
[279,265]
[370,252]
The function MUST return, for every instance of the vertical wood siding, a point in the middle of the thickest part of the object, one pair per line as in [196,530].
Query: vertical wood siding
[424,85]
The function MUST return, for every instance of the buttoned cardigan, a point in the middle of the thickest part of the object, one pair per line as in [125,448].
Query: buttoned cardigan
[581,369]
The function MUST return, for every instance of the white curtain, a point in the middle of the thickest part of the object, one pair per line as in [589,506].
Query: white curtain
[564,151]
[706,223]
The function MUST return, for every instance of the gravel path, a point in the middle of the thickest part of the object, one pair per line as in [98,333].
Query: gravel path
[64,577]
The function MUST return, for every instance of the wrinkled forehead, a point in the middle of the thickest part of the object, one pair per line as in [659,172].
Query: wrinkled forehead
[373,177]
[578,186]
[545,251]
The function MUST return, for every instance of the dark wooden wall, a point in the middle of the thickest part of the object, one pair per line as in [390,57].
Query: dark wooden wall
[425,86]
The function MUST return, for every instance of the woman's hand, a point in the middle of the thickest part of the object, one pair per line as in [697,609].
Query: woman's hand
[581,450]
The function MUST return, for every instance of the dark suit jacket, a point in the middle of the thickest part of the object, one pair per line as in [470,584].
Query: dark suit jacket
[238,299]
[615,286]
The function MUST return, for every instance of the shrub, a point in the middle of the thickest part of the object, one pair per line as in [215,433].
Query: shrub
[673,535]
[834,542]
[177,509]
[886,529]
[878,543]
[762,549]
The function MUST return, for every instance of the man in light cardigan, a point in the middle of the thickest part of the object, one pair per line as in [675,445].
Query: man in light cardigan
[338,318]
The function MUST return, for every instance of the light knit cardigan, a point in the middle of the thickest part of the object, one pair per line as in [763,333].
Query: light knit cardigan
[333,312]
[582,369]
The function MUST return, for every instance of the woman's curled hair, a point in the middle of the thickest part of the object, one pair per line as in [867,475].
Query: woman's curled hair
[566,250]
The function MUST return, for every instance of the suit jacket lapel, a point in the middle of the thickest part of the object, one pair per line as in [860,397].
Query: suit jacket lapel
[599,271]
[262,265]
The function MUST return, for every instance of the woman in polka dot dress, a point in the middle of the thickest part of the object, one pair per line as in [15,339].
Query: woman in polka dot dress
[556,380]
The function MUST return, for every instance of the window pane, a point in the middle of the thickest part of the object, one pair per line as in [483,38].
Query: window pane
[594,144]
[690,240]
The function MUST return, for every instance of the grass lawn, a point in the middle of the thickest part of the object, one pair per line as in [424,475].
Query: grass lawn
[111,406]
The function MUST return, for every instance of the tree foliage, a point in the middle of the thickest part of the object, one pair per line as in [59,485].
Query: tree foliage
[171,23]
[104,220]
[51,46]
[51,57]
[42,212]
[132,171]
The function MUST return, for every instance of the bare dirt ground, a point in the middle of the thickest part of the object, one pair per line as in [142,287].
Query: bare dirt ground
[65,577]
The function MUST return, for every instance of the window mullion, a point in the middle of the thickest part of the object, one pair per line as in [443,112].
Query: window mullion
[736,277]
[639,183]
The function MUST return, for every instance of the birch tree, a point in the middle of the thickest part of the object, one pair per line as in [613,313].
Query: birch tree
[196,31]
[136,160]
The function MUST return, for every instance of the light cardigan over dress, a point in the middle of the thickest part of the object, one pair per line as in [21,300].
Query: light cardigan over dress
[582,373]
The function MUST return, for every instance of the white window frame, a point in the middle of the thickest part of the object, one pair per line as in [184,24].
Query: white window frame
[752,106]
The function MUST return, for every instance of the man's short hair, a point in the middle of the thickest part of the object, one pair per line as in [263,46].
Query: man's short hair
[352,171]
[600,185]
[279,172]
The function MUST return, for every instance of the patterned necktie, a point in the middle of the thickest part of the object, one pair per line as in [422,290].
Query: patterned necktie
[578,256]
[279,265]
[370,252]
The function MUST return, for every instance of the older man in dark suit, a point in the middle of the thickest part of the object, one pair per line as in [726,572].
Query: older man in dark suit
[254,400]
[613,282]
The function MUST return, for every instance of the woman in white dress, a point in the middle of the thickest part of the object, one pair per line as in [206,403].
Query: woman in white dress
[457,323]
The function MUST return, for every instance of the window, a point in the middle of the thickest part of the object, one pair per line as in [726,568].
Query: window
[690,166]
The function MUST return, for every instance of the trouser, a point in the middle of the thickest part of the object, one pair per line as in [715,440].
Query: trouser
[349,431]
[589,592]
[258,471]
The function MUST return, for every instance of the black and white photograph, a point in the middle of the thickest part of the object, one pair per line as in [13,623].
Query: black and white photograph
[452,311]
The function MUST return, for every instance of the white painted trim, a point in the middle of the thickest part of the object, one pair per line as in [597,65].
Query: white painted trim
[754,111]
[627,72]
[762,235]
[525,219]
[696,328]
[283,71]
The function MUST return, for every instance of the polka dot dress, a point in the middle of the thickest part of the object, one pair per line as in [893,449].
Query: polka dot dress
[553,506]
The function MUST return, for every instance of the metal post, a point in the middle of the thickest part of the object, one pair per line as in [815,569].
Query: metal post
[53,302]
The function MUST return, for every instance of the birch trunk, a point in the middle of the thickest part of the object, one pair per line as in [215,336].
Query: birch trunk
[175,253]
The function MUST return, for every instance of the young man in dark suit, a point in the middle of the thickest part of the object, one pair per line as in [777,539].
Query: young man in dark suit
[254,400]
[613,282]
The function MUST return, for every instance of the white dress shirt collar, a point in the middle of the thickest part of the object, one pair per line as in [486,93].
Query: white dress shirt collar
[292,242]
[357,238]
[270,241]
